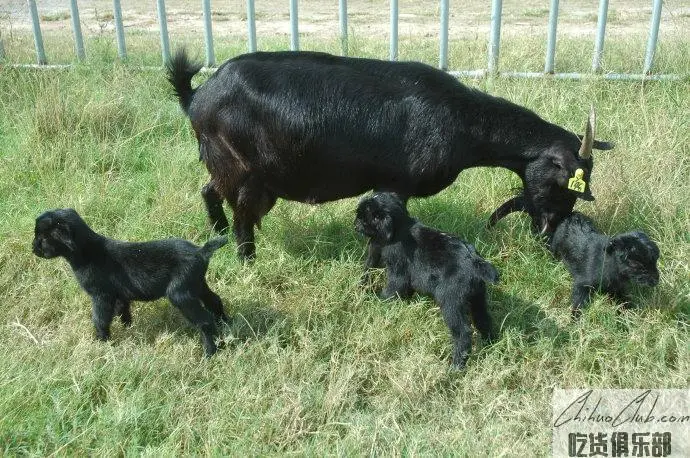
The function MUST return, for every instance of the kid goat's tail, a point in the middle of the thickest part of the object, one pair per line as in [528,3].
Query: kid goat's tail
[212,245]
[486,270]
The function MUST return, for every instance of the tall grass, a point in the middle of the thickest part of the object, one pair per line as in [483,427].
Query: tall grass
[314,364]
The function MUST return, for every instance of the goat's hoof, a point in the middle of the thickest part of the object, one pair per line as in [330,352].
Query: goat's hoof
[220,227]
[246,256]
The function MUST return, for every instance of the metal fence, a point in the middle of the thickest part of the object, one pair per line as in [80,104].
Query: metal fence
[493,48]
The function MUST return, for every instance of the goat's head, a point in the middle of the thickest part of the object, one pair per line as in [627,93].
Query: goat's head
[554,179]
[57,233]
[380,215]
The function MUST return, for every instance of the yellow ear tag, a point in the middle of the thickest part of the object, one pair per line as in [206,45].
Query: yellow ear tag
[576,183]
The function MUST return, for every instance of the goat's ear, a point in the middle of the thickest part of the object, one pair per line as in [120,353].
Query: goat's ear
[613,245]
[587,195]
[600,144]
[603,146]
[513,204]
[62,234]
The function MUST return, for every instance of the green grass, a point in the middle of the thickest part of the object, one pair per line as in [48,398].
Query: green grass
[314,365]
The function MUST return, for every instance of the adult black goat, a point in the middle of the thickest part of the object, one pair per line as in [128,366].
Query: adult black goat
[313,127]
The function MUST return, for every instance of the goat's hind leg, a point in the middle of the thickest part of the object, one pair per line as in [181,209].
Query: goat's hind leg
[455,314]
[480,314]
[252,202]
[214,208]
[191,308]
[123,310]
[213,303]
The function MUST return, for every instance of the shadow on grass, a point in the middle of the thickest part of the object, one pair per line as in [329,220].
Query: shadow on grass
[149,321]
[527,318]
[337,238]
[253,320]
[676,305]
[250,321]
[321,241]
[461,219]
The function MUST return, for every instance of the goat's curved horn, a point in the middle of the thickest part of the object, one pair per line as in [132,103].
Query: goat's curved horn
[588,139]
[513,204]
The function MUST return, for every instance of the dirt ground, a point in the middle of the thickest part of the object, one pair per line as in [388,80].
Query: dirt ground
[469,18]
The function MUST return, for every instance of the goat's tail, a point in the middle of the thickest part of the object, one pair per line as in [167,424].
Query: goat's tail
[180,72]
[212,245]
[486,270]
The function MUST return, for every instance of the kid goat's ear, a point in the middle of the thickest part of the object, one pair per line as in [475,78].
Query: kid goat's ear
[613,245]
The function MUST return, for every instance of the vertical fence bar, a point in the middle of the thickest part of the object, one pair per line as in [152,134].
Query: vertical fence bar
[342,11]
[163,23]
[119,30]
[251,26]
[551,38]
[76,29]
[208,33]
[394,30]
[653,35]
[443,38]
[601,32]
[495,39]
[294,32]
[38,37]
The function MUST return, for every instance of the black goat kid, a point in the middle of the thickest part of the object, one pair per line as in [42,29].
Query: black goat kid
[419,258]
[114,273]
[598,262]
[313,127]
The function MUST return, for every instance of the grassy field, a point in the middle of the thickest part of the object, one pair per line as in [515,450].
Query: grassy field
[314,364]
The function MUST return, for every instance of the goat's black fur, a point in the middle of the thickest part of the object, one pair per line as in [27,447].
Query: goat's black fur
[180,74]
[114,273]
[313,127]
[420,259]
[603,263]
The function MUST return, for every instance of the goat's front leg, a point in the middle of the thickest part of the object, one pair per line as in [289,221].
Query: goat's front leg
[372,261]
[103,309]
[580,298]
[621,296]
[398,284]
[123,309]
